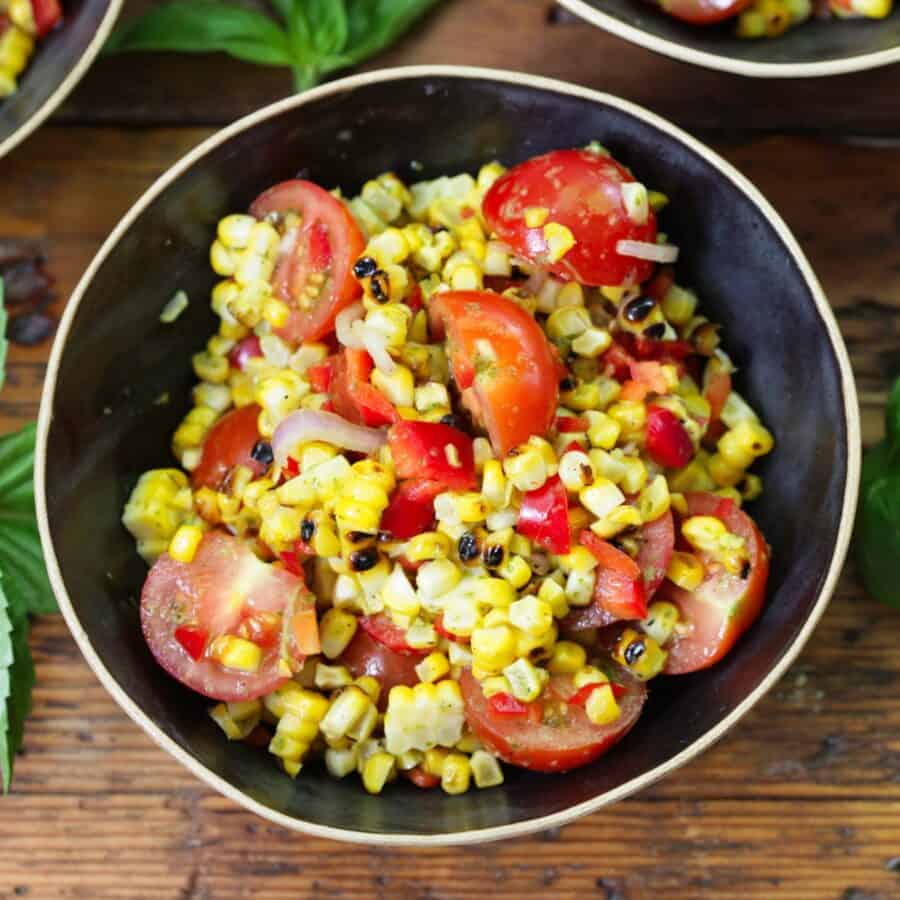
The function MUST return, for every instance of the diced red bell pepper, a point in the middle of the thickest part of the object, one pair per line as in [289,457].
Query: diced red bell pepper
[667,442]
[248,348]
[386,632]
[617,361]
[353,396]
[619,586]
[571,424]
[320,375]
[291,467]
[411,510]
[580,697]
[433,452]
[192,639]
[506,705]
[414,300]
[47,14]
[544,516]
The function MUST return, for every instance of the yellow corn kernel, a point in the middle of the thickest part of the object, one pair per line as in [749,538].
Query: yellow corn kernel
[601,706]
[515,570]
[327,678]
[456,773]
[586,395]
[370,686]
[185,542]
[429,545]
[353,515]
[630,414]
[526,468]
[526,682]
[207,367]
[655,500]
[635,476]
[685,570]
[399,596]
[640,654]
[568,657]
[592,343]
[722,473]
[662,617]
[743,443]
[579,588]
[554,594]
[708,534]
[494,684]
[493,649]
[377,769]
[223,262]
[531,615]
[567,323]
[536,216]
[433,762]
[460,507]
[372,470]
[486,771]
[560,241]
[236,653]
[340,763]
[578,559]
[345,711]
[751,487]
[434,667]
[493,484]
[336,629]
[603,430]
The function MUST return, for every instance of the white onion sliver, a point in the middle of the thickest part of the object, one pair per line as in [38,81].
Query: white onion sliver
[343,326]
[658,253]
[317,425]
[376,345]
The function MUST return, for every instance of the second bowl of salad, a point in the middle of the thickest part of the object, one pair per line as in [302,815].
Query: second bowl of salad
[469,463]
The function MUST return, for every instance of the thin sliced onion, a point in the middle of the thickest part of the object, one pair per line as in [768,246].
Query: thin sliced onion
[318,425]
[658,253]
[376,345]
[343,326]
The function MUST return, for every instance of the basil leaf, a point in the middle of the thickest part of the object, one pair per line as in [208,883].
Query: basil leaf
[878,526]
[3,341]
[373,25]
[892,418]
[6,662]
[21,560]
[329,25]
[16,682]
[204,26]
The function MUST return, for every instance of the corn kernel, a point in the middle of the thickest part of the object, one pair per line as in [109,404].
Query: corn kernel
[336,630]
[526,468]
[526,682]
[434,667]
[345,711]
[640,654]
[486,771]
[568,657]
[601,706]
[330,677]
[455,773]
[185,542]
[685,570]
[493,648]
[662,617]
[236,653]
[428,546]
[377,769]
[601,497]
[531,615]
[654,500]
[536,216]
[560,241]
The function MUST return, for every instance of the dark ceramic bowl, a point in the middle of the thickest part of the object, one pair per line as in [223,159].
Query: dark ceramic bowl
[100,426]
[811,50]
[56,67]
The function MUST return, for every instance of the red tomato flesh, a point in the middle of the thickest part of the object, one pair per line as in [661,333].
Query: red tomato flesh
[365,655]
[667,442]
[563,740]
[327,242]
[225,590]
[47,15]
[386,632]
[433,452]
[353,396]
[229,443]
[411,510]
[724,606]
[581,190]
[544,516]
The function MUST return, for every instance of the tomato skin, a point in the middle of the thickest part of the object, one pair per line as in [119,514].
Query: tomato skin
[229,444]
[667,442]
[246,349]
[724,606]
[353,396]
[47,14]
[569,741]
[583,191]
[544,516]
[328,240]
[419,451]
[366,656]
[386,632]
[514,394]
[411,510]
[703,12]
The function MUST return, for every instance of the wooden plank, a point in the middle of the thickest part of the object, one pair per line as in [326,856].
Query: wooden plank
[153,89]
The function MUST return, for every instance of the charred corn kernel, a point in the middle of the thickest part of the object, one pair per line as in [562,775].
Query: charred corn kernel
[592,342]
[709,535]
[377,769]
[603,430]
[630,414]
[536,216]
[340,763]
[655,500]
[567,323]
[336,629]
[579,588]
[751,487]
[434,667]
[601,497]
[486,771]
[635,476]
[526,468]
[436,579]
[640,654]
[460,507]
[685,570]
[526,681]
[433,761]
[553,593]
[576,471]
[515,570]
[456,774]
[185,542]
[423,717]
[722,473]
[330,677]
[568,657]
[601,706]
[236,653]
[345,711]
[428,546]
[679,305]
[662,617]
[398,594]
[493,648]
[531,615]
[210,368]
[560,241]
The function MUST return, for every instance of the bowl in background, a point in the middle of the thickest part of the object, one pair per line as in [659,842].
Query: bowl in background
[59,62]
[813,49]
[101,425]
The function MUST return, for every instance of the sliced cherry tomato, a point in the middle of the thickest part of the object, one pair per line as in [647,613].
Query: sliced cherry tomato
[411,510]
[724,606]
[422,779]
[581,190]
[248,348]
[47,15]
[564,739]
[327,242]
[433,452]
[353,396]
[703,12]
[366,656]
[229,443]
[502,363]
[225,590]
[320,375]
[544,516]
[386,632]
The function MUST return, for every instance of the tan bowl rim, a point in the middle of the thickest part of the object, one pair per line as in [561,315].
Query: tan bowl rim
[75,74]
[721,63]
[541,823]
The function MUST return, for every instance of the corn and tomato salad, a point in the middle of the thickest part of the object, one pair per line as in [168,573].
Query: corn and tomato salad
[464,471]
[23,23]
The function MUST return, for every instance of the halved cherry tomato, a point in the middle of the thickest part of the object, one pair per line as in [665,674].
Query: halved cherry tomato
[544,516]
[248,348]
[386,632]
[563,740]
[667,442]
[433,452]
[353,396]
[724,606]
[225,590]
[320,375]
[47,14]
[581,190]
[229,443]
[366,656]
[411,510]
[502,363]
[327,242]
[703,12]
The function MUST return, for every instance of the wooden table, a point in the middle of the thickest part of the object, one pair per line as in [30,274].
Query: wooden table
[801,800]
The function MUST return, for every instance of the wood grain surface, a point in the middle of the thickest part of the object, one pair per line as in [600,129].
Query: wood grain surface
[801,800]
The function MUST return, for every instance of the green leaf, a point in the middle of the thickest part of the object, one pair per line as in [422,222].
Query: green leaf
[21,559]
[892,418]
[878,526]
[206,26]
[3,342]
[21,683]
[329,25]
[6,662]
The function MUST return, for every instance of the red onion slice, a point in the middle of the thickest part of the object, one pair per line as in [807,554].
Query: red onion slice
[658,253]
[317,425]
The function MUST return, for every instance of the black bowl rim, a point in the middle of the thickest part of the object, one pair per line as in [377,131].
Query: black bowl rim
[721,63]
[540,823]
[65,87]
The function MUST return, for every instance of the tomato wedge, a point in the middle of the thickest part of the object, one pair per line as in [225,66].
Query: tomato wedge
[544,516]
[703,12]
[225,590]
[502,363]
[365,655]
[326,244]
[229,443]
[581,190]
[353,396]
[433,452]
[564,740]
[724,606]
